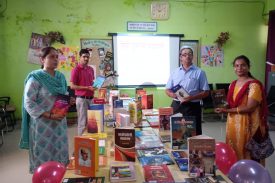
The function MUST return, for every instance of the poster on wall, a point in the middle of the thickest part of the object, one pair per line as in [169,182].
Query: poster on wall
[194,45]
[101,55]
[212,56]
[68,58]
[37,42]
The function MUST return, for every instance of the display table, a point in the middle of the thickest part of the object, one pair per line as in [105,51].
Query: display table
[105,171]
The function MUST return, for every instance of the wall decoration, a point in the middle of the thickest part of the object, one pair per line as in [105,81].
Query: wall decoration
[55,36]
[212,56]
[194,45]
[101,55]
[37,42]
[222,39]
[68,58]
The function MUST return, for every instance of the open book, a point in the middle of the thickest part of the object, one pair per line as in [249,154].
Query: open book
[180,92]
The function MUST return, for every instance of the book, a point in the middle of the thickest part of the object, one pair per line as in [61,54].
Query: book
[219,98]
[122,171]
[159,173]
[98,82]
[147,101]
[86,155]
[61,105]
[135,112]
[164,118]
[180,92]
[125,144]
[102,140]
[122,119]
[153,120]
[156,160]
[151,152]
[102,93]
[95,116]
[84,180]
[150,112]
[181,158]
[201,156]
[209,179]
[182,127]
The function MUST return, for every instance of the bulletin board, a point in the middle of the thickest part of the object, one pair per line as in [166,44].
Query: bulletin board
[101,54]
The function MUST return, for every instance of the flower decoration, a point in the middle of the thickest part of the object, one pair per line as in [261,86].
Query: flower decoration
[222,39]
[55,37]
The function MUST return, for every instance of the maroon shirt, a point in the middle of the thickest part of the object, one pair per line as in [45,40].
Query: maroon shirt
[83,76]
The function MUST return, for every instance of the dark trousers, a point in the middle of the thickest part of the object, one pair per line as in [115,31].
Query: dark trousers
[189,109]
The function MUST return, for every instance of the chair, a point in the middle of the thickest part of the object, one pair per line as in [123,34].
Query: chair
[224,86]
[10,109]
[5,116]
[207,102]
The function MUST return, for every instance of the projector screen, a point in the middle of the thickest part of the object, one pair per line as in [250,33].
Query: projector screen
[145,60]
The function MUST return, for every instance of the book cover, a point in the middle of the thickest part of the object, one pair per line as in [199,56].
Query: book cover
[181,158]
[86,155]
[135,112]
[102,93]
[125,144]
[153,120]
[219,98]
[122,120]
[164,118]
[182,128]
[156,160]
[165,138]
[98,101]
[180,92]
[84,180]
[102,140]
[201,156]
[182,164]
[98,82]
[159,173]
[118,103]
[61,104]
[150,112]
[147,101]
[152,152]
[95,120]
[209,179]
[122,171]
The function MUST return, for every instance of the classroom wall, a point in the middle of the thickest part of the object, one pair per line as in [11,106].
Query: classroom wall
[96,18]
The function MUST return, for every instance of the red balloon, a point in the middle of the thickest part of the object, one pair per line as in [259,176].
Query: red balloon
[225,157]
[49,172]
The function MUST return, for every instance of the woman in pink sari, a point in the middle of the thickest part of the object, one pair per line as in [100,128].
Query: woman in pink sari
[246,110]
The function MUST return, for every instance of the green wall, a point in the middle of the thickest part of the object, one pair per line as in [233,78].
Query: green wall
[95,18]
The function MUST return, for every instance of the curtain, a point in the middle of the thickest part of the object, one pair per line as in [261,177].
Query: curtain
[270,51]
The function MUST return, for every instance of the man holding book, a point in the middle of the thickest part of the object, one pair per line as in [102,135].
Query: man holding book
[82,78]
[187,85]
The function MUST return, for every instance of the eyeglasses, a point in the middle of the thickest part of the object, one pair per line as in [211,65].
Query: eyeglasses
[186,54]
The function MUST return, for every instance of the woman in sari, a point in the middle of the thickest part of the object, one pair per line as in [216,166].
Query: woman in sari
[43,133]
[246,110]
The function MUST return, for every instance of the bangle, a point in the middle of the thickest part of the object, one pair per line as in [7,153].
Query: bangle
[238,110]
[50,116]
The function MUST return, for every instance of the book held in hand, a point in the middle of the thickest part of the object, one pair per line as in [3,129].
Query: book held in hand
[61,105]
[98,82]
[180,92]
[219,98]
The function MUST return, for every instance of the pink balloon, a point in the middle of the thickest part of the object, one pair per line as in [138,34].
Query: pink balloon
[49,172]
[225,157]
